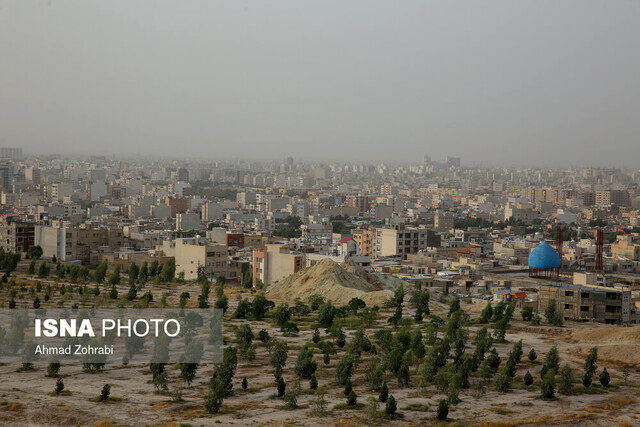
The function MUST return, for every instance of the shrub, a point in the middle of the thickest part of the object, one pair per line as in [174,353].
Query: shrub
[548,387]
[313,382]
[384,392]
[391,406]
[53,368]
[244,383]
[59,386]
[291,396]
[527,314]
[605,379]
[587,379]
[352,398]
[528,379]
[503,381]
[263,336]
[443,410]
[106,391]
[566,380]
[532,355]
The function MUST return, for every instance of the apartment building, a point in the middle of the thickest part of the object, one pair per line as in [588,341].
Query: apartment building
[590,303]
[95,241]
[364,241]
[612,197]
[188,221]
[443,222]
[189,253]
[317,232]
[513,212]
[400,240]
[58,239]
[549,195]
[16,234]
[626,246]
[275,262]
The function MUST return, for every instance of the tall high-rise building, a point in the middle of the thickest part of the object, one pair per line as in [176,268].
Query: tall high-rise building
[6,175]
[452,161]
[11,153]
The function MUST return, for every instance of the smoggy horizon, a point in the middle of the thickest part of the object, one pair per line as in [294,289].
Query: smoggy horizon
[503,83]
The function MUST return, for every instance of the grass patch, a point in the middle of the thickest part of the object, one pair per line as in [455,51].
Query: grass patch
[347,406]
[500,410]
[420,407]
[109,399]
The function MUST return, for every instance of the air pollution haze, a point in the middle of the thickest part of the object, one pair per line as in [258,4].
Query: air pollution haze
[504,82]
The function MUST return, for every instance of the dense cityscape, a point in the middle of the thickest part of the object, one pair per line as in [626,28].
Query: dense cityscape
[369,277]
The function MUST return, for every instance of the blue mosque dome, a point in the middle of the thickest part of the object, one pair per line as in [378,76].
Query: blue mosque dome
[544,256]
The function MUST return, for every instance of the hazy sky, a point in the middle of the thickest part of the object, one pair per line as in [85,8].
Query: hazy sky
[525,82]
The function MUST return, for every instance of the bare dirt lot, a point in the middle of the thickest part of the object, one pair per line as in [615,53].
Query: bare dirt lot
[27,397]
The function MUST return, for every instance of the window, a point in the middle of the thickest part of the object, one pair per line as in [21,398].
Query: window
[584,308]
[584,295]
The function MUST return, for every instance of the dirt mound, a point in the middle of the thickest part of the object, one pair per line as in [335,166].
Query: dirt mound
[616,343]
[382,281]
[331,281]
[357,270]
[609,335]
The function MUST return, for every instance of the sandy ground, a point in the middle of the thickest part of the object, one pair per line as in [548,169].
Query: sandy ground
[26,397]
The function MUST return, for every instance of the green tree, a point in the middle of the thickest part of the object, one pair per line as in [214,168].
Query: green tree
[202,277]
[551,362]
[169,270]
[279,358]
[44,270]
[391,406]
[604,377]
[528,379]
[305,365]
[101,272]
[32,267]
[384,392]
[590,366]
[344,369]
[326,315]
[566,380]
[59,386]
[282,314]
[34,252]
[134,272]
[143,276]
[260,306]
[503,381]
[548,386]
[105,392]
[550,311]
[114,279]
[443,410]
[487,313]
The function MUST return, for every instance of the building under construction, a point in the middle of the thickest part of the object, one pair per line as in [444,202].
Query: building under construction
[590,303]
